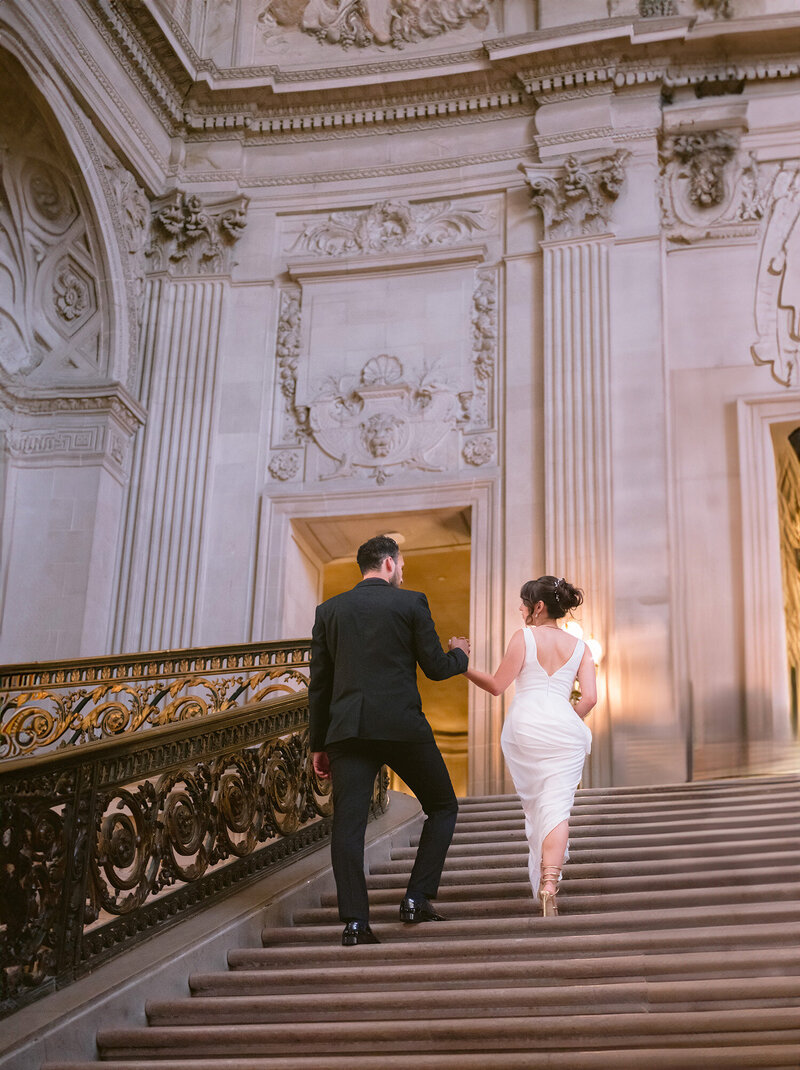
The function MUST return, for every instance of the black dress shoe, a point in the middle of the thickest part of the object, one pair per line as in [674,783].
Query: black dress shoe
[418,909]
[358,932]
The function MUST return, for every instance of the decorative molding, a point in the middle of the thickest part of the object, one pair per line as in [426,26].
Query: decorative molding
[74,429]
[293,420]
[708,187]
[364,23]
[777,307]
[381,421]
[55,299]
[577,199]
[392,225]
[190,237]
[285,465]
[657,9]
[479,450]
[719,9]
[484,348]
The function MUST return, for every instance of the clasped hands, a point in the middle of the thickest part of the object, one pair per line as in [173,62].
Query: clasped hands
[459,642]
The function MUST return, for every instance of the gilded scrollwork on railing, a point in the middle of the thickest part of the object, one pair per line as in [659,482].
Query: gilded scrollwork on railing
[40,706]
[102,844]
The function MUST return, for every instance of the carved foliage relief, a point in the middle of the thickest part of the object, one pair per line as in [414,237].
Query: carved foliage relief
[577,199]
[392,225]
[51,297]
[361,23]
[412,386]
[192,236]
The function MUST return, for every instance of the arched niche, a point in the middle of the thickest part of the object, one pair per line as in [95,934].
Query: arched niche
[65,302]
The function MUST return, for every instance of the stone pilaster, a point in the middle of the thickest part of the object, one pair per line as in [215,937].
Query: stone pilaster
[576,202]
[162,563]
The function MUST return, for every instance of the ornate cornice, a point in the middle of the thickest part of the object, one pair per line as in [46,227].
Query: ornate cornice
[197,99]
[112,398]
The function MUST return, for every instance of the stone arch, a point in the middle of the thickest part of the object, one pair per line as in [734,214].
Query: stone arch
[67,295]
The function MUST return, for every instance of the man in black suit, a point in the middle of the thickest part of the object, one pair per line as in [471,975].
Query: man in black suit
[365,711]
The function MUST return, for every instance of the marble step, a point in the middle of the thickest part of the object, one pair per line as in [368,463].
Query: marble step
[529,967]
[467,1033]
[528,922]
[507,883]
[731,864]
[508,1000]
[479,905]
[762,1056]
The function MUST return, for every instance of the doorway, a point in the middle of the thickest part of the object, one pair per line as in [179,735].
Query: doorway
[436,545]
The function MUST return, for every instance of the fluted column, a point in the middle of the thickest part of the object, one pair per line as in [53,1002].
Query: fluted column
[578,521]
[576,199]
[161,572]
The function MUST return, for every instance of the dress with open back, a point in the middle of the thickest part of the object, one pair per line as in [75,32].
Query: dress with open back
[545,744]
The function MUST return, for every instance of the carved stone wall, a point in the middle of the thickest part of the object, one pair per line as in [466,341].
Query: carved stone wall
[53,295]
[397,391]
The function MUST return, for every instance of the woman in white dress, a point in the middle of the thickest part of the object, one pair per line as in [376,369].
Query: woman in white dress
[545,740]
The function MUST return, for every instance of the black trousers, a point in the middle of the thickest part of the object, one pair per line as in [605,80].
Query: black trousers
[354,766]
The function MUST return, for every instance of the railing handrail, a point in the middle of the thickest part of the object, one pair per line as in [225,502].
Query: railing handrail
[46,705]
[161,658]
[106,843]
[71,757]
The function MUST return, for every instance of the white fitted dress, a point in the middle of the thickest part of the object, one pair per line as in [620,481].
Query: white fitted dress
[545,744]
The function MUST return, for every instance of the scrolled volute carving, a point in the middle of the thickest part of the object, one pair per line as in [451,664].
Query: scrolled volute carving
[777,309]
[191,237]
[578,199]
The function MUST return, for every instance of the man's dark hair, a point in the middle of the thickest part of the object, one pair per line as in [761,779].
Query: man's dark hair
[373,552]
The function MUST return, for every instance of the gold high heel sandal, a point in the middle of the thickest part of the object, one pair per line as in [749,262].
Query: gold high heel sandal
[550,874]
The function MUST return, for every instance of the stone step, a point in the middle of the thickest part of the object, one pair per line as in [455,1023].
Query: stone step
[505,883]
[766,1056]
[556,938]
[744,811]
[467,855]
[510,1000]
[600,843]
[569,902]
[467,1034]
[658,869]
[528,922]
[471,810]
[676,948]
[721,827]
[532,969]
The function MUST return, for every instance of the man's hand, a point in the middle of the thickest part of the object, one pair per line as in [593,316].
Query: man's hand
[322,765]
[459,642]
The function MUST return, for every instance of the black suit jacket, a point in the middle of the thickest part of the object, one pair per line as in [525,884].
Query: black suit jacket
[365,648]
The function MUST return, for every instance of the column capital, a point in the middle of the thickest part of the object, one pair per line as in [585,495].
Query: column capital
[576,196]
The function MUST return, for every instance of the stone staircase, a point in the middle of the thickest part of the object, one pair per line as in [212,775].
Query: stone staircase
[677,946]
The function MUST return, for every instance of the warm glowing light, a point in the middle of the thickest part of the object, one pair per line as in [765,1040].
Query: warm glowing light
[594,645]
[596,648]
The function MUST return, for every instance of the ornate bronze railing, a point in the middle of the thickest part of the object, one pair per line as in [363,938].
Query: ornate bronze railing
[47,704]
[102,844]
